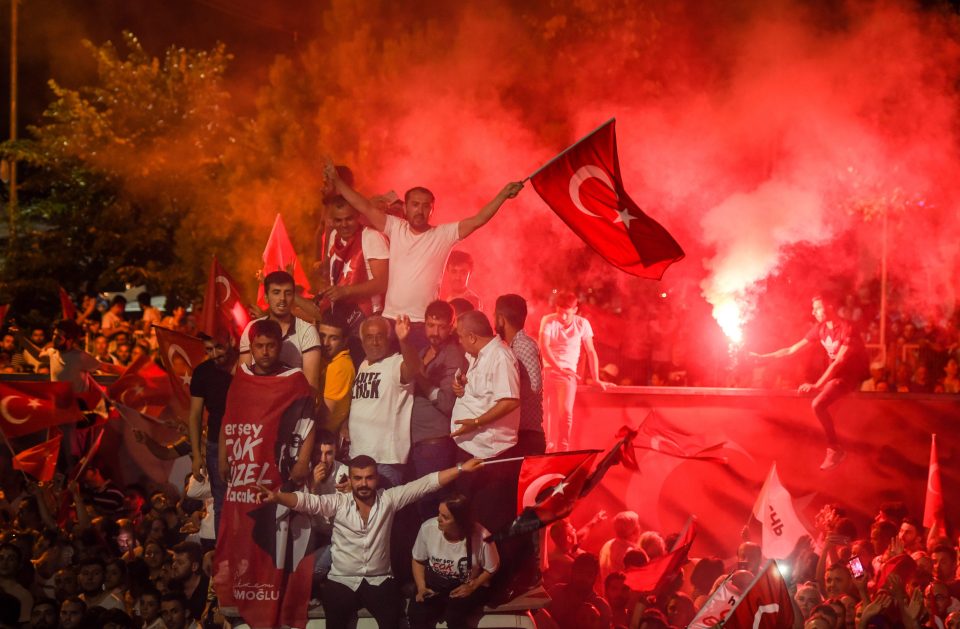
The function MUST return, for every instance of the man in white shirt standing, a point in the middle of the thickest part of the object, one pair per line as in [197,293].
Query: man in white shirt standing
[379,422]
[418,250]
[361,575]
[301,343]
[486,417]
[562,334]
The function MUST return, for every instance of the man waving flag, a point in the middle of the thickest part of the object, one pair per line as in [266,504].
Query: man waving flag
[583,185]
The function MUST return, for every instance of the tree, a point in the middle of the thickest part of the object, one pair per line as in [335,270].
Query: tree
[123,177]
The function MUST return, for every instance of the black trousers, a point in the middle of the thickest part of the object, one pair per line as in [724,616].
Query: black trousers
[456,612]
[383,601]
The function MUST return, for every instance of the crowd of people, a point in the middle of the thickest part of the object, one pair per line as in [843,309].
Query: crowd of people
[390,404]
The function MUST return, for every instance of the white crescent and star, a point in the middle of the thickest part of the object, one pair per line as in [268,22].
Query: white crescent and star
[222,280]
[176,349]
[10,417]
[346,269]
[593,171]
[534,488]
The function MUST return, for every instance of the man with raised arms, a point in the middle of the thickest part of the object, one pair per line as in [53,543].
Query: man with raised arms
[418,250]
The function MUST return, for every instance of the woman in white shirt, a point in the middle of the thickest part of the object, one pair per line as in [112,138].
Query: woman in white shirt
[452,567]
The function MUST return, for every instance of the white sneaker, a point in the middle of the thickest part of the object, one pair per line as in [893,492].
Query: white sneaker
[833,458]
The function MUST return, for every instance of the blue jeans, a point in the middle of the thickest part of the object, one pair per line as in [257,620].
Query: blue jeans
[217,487]
[391,474]
[432,455]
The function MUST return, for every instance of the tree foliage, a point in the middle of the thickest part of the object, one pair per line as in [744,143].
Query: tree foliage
[120,177]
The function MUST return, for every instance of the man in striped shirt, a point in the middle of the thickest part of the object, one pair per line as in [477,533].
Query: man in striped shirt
[510,315]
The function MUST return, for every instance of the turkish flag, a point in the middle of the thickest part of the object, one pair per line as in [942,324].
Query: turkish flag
[650,576]
[279,255]
[224,313]
[264,556]
[540,470]
[180,355]
[556,500]
[655,434]
[933,506]
[143,386]
[584,187]
[66,305]
[621,452]
[765,605]
[27,407]
[40,461]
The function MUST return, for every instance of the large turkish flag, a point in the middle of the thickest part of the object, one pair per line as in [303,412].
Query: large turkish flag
[27,407]
[583,185]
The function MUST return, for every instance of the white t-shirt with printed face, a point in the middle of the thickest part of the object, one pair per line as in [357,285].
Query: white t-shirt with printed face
[416,266]
[375,247]
[449,559]
[565,341]
[301,337]
[380,412]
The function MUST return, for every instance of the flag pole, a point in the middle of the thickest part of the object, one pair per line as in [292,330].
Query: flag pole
[566,150]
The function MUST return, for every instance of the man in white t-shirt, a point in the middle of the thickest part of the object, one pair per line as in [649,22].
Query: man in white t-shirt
[562,334]
[301,343]
[418,250]
[379,422]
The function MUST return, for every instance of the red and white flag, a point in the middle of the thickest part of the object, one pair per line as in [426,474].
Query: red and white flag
[40,461]
[279,255]
[224,312]
[781,526]
[66,305]
[264,557]
[656,434]
[584,187]
[650,576]
[143,386]
[180,355]
[933,506]
[766,604]
[622,451]
[27,407]
[717,607]
[538,473]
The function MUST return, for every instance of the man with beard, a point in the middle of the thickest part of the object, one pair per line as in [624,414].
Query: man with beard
[300,346]
[357,274]
[418,250]
[188,577]
[433,399]
[90,580]
[337,372]
[361,575]
[510,316]
[208,391]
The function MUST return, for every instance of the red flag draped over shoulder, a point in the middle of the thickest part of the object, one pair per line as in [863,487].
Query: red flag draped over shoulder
[180,355]
[27,407]
[584,187]
[224,312]
[264,557]
[279,255]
